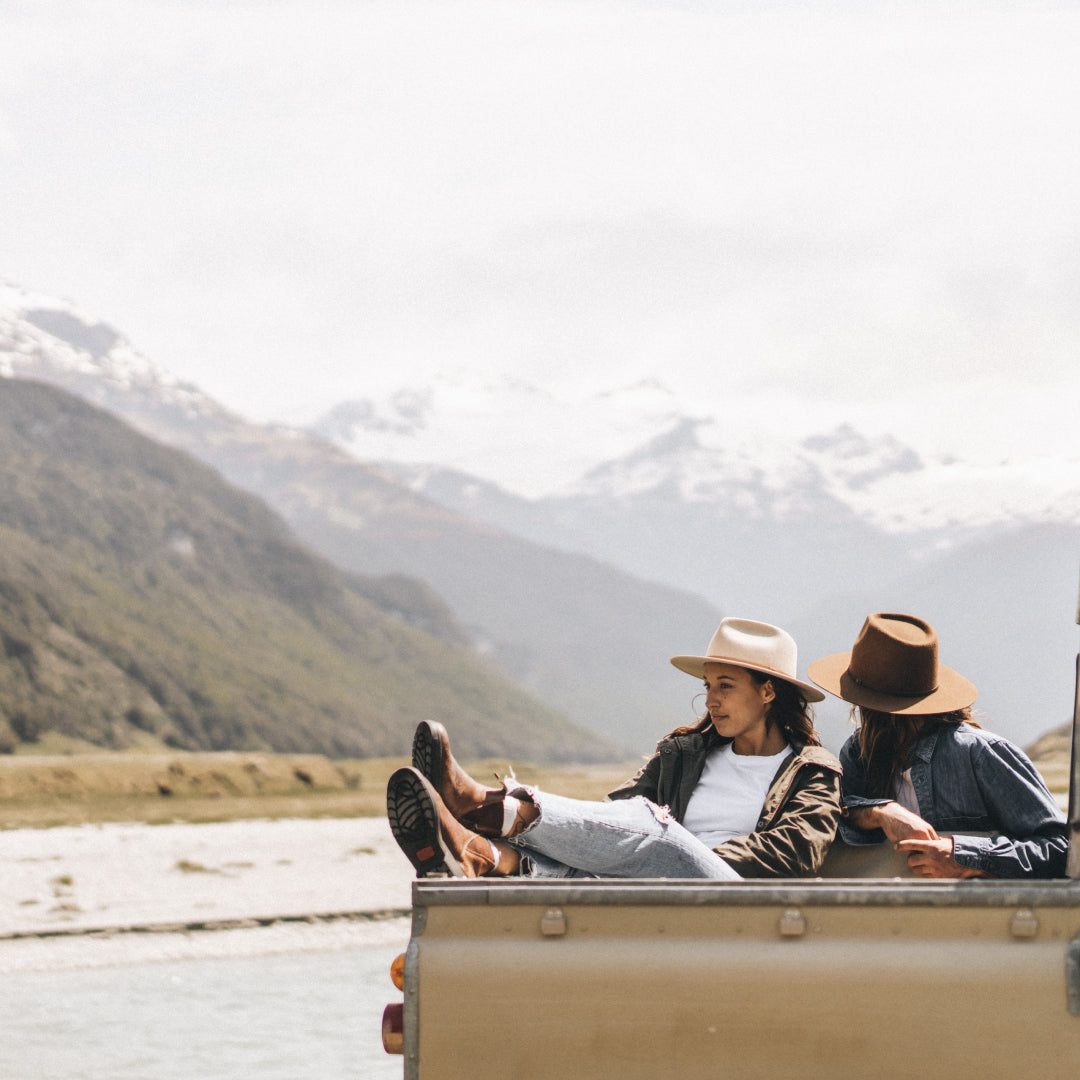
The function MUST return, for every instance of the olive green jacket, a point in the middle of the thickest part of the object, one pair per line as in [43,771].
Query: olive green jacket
[798,819]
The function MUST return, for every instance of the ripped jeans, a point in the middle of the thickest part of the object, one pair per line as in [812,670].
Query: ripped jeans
[627,838]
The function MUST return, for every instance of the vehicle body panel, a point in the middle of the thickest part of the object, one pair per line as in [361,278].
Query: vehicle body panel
[822,978]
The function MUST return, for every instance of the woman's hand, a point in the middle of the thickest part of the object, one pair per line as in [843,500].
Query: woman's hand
[929,855]
[896,822]
[934,859]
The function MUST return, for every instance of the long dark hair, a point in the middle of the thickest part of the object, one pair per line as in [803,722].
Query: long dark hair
[885,740]
[789,709]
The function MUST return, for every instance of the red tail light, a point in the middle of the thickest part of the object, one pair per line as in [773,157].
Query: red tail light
[393,1022]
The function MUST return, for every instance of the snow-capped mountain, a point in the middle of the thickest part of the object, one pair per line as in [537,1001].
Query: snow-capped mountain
[42,336]
[631,441]
[681,498]
[620,444]
[582,540]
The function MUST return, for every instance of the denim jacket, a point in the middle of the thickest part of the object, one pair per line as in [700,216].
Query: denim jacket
[967,780]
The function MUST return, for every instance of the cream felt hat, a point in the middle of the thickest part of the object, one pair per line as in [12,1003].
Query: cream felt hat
[754,645]
[894,668]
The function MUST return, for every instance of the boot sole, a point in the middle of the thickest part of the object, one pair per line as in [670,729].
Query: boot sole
[427,750]
[414,821]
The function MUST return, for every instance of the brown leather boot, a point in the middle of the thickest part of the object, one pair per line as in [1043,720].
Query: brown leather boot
[458,790]
[435,843]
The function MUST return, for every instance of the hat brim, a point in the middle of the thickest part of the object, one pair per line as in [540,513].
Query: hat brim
[695,665]
[953,690]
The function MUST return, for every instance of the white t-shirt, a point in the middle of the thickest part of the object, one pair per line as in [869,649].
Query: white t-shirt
[729,796]
[905,793]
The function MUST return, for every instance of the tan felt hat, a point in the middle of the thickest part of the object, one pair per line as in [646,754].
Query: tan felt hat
[754,645]
[894,668]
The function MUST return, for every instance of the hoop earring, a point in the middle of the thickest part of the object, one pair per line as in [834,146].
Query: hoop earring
[693,705]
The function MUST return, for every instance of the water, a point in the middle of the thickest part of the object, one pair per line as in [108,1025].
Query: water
[290,1015]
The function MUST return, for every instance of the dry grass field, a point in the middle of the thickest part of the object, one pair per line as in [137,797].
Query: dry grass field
[40,791]
[157,787]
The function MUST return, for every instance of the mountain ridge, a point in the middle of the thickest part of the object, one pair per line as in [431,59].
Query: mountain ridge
[642,437]
[562,625]
[143,602]
[581,595]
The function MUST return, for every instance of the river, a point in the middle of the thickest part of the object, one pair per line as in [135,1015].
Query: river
[305,1004]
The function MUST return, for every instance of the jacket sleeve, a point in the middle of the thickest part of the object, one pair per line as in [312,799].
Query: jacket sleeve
[795,841]
[853,786]
[1034,839]
[646,782]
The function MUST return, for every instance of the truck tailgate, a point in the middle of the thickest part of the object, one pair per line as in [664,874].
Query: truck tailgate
[826,978]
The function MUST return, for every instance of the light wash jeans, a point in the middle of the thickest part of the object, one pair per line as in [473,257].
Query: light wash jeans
[626,838]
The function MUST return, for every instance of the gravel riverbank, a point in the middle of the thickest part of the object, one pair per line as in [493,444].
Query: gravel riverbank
[83,895]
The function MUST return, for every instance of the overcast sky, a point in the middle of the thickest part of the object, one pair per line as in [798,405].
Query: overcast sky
[828,210]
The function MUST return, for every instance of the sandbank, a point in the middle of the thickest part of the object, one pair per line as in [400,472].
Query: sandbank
[113,893]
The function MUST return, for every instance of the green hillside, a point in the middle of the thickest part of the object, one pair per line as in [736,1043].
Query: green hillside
[145,601]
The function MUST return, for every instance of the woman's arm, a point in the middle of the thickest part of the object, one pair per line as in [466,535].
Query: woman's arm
[895,821]
[796,841]
[929,855]
[1034,838]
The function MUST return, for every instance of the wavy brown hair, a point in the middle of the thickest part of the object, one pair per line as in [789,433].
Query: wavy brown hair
[885,740]
[789,709]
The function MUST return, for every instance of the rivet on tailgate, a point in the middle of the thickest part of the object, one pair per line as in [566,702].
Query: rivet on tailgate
[553,923]
[1024,924]
[792,923]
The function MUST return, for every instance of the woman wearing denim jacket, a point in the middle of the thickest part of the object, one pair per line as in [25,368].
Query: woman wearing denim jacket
[745,792]
[919,767]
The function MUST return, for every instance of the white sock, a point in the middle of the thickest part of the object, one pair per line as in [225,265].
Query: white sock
[494,855]
[510,813]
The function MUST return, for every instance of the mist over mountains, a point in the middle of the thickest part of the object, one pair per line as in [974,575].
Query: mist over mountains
[580,543]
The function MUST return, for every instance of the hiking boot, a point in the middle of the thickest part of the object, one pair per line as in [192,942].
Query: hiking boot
[434,842]
[458,790]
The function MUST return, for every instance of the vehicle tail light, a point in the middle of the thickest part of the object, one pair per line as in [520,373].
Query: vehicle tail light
[393,1017]
[393,1021]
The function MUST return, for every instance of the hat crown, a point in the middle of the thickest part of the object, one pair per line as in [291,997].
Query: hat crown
[757,644]
[894,668]
[896,654]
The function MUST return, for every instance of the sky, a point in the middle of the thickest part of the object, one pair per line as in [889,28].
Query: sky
[808,212]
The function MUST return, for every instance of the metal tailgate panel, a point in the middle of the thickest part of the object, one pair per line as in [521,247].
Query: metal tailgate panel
[815,981]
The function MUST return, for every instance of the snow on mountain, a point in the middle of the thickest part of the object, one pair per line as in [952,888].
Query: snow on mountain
[620,443]
[518,435]
[40,334]
[961,495]
[627,441]
[889,485]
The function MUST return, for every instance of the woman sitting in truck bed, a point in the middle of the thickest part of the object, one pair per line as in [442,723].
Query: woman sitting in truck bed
[747,791]
[918,765]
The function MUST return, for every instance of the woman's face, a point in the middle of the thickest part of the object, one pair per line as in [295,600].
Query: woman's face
[738,706]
